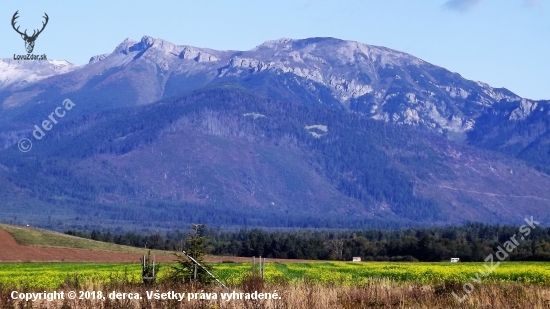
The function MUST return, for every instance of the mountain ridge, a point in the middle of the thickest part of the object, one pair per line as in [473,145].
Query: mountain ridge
[385,84]
[318,132]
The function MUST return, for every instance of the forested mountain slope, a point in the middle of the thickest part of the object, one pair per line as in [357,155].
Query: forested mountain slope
[227,156]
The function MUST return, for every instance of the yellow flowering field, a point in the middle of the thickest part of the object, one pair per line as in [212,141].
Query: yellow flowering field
[357,273]
[53,275]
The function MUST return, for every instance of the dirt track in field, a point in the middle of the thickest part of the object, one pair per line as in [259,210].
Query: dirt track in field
[11,251]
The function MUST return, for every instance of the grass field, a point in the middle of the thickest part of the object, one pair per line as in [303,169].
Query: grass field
[35,237]
[52,275]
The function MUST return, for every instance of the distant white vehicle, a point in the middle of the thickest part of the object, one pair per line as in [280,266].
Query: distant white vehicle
[356,259]
[455,260]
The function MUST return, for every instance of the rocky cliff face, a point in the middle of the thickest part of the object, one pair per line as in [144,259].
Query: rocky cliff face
[384,84]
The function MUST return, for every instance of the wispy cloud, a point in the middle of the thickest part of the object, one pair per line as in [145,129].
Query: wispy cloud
[461,5]
[468,5]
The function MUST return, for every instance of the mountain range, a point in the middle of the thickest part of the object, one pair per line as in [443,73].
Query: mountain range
[318,132]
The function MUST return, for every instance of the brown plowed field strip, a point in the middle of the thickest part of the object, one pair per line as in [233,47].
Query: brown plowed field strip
[11,251]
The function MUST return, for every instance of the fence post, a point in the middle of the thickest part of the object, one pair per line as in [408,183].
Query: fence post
[263,270]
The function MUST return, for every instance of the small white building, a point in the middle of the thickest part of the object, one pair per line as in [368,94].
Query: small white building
[455,260]
[356,259]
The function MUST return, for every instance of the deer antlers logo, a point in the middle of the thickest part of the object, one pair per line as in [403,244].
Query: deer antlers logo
[29,40]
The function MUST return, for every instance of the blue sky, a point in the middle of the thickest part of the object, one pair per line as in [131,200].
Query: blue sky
[505,43]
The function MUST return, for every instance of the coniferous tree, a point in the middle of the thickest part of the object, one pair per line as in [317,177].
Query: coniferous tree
[194,248]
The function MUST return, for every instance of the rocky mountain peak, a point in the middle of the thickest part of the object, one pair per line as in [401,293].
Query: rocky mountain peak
[382,83]
[124,47]
[148,42]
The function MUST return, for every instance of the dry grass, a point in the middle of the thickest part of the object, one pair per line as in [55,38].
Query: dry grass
[306,295]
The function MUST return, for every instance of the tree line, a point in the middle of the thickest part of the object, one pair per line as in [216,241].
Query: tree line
[471,242]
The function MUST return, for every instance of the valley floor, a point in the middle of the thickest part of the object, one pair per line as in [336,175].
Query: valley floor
[319,285]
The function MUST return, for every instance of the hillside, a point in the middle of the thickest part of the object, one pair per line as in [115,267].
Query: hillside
[43,238]
[312,133]
[20,244]
[230,157]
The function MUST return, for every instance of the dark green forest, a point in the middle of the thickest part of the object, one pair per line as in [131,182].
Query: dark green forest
[355,158]
[526,140]
[471,242]
[375,169]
